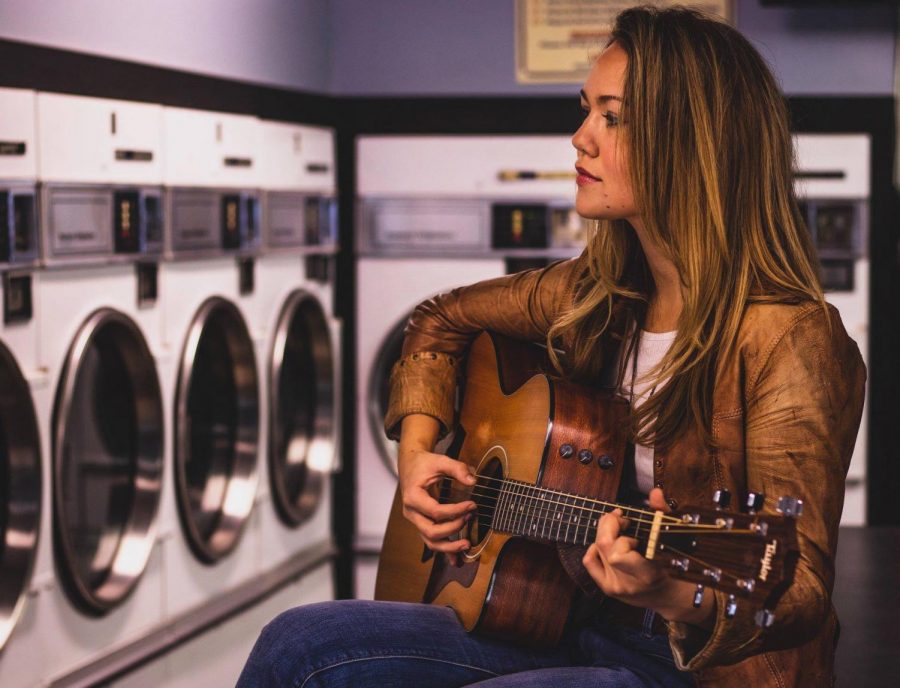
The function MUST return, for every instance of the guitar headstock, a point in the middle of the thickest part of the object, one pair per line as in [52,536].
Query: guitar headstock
[749,555]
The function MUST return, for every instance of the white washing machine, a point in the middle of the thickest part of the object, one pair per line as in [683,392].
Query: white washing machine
[492,205]
[214,384]
[300,356]
[24,387]
[98,582]
[834,186]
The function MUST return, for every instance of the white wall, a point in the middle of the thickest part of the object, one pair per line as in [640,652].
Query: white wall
[277,42]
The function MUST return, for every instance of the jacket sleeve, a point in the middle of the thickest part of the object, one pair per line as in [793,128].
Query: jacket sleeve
[440,330]
[803,409]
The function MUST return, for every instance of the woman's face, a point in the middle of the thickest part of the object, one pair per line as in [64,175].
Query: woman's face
[604,187]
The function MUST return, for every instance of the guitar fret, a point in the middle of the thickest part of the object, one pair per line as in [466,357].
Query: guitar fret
[545,513]
[498,508]
[533,511]
[519,510]
[587,519]
[510,508]
[558,516]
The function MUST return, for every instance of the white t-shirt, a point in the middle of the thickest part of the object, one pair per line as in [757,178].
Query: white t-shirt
[650,351]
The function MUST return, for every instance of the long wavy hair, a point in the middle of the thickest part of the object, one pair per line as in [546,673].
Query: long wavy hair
[710,157]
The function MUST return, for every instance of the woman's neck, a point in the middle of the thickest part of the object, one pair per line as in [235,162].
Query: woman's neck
[667,299]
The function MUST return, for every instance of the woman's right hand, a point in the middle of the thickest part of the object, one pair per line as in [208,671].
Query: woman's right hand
[421,469]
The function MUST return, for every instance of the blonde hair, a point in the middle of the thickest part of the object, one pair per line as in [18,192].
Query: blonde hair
[710,157]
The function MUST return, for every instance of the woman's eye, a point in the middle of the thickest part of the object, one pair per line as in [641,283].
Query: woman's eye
[612,119]
[585,111]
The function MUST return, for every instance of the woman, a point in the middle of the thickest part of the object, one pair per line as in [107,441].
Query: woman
[698,297]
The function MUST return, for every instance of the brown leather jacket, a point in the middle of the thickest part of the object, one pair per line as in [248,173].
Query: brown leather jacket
[786,410]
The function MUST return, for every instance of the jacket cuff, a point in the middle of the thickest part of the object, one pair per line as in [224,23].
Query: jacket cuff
[423,382]
[696,648]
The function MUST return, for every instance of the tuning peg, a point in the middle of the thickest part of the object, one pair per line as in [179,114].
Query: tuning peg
[730,607]
[698,595]
[721,498]
[754,501]
[790,506]
[764,618]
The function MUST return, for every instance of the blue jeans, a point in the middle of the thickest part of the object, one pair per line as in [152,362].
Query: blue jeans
[361,644]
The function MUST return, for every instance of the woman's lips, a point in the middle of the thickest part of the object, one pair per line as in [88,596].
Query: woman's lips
[584,178]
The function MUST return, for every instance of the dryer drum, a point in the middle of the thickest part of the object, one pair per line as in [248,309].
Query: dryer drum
[216,430]
[108,461]
[302,440]
[20,491]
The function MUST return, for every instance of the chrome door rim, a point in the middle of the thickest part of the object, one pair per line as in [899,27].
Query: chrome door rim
[294,511]
[241,492]
[138,537]
[24,479]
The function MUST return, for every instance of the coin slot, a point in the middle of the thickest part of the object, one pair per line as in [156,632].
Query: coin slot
[147,284]
[17,302]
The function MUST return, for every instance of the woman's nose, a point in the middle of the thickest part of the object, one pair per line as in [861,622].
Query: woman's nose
[582,142]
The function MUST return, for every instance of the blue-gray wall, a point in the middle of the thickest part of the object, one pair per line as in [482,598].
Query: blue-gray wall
[418,47]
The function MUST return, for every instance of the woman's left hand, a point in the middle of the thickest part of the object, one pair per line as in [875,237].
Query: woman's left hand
[619,569]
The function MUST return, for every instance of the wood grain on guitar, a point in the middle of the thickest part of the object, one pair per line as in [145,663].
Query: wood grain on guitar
[548,458]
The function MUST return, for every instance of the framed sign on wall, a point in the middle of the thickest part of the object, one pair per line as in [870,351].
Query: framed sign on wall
[557,39]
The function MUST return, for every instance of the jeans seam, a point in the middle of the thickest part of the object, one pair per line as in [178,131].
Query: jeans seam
[367,659]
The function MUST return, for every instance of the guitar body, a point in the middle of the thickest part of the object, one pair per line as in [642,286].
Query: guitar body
[513,423]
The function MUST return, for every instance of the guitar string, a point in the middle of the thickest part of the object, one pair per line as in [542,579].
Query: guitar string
[505,481]
[544,490]
[549,509]
[479,490]
[666,547]
[702,563]
[545,518]
[625,508]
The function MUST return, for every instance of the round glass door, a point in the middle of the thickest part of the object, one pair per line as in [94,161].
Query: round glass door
[216,430]
[20,491]
[108,460]
[302,428]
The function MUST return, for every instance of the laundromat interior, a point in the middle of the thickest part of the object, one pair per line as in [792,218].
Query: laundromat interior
[216,217]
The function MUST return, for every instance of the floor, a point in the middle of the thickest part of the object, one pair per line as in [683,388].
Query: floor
[867,598]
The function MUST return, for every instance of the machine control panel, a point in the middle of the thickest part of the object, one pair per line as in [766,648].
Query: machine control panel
[295,219]
[207,221]
[99,224]
[548,228]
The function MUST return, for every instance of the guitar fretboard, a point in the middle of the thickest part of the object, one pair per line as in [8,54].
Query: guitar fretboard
[542,514]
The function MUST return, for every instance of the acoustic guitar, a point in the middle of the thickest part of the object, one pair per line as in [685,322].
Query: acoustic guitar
[548,458]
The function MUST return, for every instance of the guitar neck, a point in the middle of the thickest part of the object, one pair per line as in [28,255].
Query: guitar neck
[541,514]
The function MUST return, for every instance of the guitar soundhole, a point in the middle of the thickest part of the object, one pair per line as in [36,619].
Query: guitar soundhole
[485,494]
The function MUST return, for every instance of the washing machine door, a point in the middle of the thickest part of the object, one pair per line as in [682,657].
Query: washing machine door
[216,430]
[108,461]
[20,491]
[302,428]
